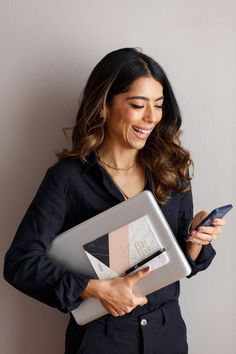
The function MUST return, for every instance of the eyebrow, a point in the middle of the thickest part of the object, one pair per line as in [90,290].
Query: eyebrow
[143,98]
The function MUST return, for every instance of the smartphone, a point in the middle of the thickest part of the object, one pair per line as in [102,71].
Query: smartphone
[216,213]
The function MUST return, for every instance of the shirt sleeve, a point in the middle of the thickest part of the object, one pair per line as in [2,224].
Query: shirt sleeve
[185,217]
[27,266]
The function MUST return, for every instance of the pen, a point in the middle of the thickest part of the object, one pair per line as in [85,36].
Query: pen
[145,260]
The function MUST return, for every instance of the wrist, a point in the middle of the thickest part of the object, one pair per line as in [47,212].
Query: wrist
[90,290]
[95,288]
[193,250]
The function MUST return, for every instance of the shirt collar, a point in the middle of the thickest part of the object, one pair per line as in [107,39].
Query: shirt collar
[91,161]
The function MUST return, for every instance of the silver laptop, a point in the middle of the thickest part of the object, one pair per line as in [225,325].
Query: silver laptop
[129,236]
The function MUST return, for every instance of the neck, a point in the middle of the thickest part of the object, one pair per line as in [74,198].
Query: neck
[117,157]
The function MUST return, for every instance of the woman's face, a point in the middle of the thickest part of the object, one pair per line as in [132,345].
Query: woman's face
[132,115]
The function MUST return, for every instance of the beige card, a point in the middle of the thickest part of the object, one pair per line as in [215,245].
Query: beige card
[119,249]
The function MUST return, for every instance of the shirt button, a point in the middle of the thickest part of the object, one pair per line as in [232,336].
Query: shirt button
[143,322]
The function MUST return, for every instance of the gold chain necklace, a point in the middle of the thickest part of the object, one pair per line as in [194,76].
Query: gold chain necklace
[116,168]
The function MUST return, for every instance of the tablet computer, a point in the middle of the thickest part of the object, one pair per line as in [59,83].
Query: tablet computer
[126,237]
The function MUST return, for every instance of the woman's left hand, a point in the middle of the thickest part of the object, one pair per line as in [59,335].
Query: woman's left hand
[204,234]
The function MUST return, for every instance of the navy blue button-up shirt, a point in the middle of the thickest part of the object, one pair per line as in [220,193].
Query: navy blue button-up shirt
[71,192]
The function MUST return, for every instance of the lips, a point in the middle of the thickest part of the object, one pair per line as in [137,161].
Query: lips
[142,132]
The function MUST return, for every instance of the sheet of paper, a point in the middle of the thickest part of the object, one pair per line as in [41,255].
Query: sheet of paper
[114,253]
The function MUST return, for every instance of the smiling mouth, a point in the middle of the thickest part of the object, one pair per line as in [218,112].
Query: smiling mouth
[142,132]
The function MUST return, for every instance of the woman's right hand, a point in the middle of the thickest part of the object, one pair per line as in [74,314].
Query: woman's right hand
[116,295]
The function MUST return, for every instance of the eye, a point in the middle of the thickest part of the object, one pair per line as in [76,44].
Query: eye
[159,107]
[135,106]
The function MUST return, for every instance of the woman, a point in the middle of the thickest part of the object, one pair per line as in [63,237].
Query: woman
[125,140]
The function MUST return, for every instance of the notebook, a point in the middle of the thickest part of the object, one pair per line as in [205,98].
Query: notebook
[129,236]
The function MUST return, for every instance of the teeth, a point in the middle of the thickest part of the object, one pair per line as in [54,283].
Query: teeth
[142,131]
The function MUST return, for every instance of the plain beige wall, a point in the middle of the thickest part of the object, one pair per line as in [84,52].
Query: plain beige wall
[48,49]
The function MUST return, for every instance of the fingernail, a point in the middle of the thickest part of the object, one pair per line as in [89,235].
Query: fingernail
[194,233]
[146,269]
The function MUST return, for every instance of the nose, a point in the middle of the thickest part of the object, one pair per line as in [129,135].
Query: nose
[149,115]
[152,114]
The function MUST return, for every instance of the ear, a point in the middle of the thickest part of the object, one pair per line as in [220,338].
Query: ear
[104,112]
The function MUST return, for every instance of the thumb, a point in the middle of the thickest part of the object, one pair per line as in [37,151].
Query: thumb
[140,274]
[198,218]
[142,300]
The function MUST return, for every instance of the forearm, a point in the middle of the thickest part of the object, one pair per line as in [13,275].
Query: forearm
[32,273]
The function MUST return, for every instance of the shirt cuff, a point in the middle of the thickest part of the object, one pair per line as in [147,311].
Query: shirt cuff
[203,260]
[69,290]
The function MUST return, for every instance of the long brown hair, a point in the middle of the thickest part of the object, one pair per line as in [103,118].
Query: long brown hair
[165,160]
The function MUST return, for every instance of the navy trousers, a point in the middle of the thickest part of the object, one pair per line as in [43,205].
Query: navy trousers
[162,331]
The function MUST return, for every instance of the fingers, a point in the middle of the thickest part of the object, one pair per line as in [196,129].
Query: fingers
[209,230]
[140,274]
[113,310]
[205,234]
[120,299]
[142,300]
[121,309]
[219,222]
[201,239]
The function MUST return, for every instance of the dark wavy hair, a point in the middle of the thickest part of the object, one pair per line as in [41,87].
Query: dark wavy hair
[166,161]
